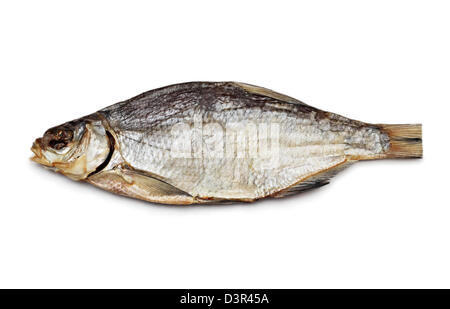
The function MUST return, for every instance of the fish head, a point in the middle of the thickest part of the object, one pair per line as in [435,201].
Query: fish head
[75,149]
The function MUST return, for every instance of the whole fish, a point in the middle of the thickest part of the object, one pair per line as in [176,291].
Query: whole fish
[204,142]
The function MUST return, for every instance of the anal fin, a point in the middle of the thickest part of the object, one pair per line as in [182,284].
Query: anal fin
[315,181]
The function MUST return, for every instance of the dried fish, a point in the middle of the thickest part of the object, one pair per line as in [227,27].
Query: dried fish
[206,142]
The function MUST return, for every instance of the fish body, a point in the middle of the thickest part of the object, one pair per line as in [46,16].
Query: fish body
[205,142]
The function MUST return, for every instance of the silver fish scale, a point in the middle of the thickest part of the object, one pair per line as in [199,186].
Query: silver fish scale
[281,142]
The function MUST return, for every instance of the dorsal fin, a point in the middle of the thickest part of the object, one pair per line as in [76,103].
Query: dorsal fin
[268,93]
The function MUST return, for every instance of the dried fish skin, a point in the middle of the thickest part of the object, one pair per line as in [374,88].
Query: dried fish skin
[225,141]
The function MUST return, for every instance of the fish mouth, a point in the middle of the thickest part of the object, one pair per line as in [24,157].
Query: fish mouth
[37,150]
[39,157]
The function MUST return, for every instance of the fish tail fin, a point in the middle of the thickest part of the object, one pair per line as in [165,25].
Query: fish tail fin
[405,140]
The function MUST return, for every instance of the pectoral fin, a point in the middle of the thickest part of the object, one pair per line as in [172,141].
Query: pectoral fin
[134,184]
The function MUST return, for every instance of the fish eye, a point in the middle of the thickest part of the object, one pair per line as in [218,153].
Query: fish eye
[58,138]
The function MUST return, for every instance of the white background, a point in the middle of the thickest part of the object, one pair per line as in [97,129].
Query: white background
[378,224]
